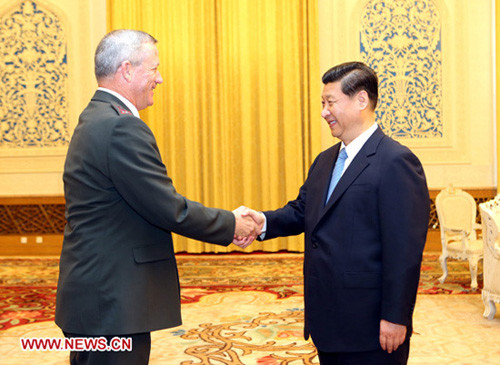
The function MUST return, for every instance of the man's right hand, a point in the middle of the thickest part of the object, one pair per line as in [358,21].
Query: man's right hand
[248,226]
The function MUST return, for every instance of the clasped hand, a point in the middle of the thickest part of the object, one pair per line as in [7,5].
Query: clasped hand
[248,226]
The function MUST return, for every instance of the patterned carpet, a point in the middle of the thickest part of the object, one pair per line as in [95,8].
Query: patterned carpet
[29,284]
[237,308]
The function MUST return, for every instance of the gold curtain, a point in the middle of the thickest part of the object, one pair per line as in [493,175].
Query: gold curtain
[497,53]
[237,117]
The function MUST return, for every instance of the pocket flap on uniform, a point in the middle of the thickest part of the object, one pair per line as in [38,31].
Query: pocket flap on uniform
[152,253]
[362,280]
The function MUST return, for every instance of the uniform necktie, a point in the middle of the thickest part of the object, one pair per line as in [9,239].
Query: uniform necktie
[337,172]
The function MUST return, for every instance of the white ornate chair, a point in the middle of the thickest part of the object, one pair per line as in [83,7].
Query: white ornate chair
[490,216]
[456,210]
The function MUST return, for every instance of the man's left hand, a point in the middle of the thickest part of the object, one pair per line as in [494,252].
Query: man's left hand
[391,335]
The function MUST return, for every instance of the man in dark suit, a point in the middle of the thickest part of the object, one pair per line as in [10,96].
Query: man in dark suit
[364,236]
[118,274]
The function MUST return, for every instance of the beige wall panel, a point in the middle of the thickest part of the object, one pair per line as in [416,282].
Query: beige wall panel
[465,153]
[38,170]
[32,184]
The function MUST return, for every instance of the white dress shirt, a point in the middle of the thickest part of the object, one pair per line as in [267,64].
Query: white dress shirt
[356,145]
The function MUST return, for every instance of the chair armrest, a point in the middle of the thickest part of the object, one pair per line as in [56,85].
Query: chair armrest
[462,232]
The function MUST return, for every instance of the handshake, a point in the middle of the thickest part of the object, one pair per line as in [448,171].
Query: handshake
[249,225]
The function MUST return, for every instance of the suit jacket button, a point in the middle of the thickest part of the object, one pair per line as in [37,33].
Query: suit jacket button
[315,244]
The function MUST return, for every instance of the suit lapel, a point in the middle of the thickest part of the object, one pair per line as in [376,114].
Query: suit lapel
[321,182]
[360,162]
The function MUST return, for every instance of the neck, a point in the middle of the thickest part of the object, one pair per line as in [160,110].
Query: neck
[365,123]
[117,87]
[367,120]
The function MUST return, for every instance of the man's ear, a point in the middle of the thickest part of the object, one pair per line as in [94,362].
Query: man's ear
[363,99]
[126,70]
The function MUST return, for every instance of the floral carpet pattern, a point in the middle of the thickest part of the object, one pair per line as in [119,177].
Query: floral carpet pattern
[28,285]
[237,308]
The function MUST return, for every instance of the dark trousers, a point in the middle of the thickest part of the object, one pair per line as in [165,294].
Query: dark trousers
[141,347]
[377,357]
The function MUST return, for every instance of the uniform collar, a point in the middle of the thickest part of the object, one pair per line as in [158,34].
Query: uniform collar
[123,99]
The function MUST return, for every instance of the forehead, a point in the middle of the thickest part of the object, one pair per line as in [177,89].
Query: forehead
[332,89]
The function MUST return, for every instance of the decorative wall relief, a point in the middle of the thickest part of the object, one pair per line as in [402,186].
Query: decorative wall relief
[35,218]
[401,41]
[33,78]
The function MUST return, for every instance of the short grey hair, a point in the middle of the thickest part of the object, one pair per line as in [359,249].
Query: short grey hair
[119,46]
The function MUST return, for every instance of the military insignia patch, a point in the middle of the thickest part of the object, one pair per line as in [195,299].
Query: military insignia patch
[123,110]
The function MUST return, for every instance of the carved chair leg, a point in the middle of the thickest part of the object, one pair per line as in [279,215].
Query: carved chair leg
[442,260]
[489,308]
[473,272]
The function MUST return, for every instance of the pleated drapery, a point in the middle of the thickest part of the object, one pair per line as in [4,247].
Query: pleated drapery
[237,118]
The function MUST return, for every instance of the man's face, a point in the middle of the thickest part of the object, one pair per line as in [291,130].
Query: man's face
[341,112]
[145,77]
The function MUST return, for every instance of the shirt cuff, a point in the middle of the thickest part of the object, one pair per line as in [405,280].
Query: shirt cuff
[264,228]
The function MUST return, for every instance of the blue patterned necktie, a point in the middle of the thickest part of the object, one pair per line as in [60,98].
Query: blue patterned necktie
[337,172]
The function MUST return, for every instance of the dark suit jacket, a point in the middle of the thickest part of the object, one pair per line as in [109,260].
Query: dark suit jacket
[118,273]
[363,250]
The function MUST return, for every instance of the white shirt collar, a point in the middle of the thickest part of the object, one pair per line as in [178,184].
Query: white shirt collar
[357,143]
[123,99]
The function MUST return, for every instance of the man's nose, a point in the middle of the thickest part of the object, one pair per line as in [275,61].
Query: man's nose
[159,79]
[325,113]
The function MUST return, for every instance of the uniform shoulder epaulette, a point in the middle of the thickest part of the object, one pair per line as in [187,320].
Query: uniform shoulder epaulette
[121,110]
